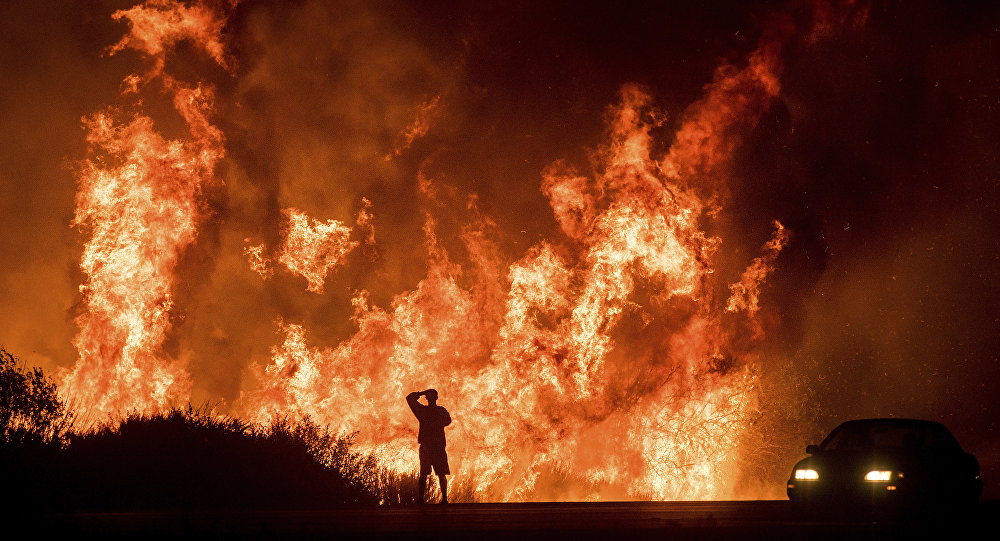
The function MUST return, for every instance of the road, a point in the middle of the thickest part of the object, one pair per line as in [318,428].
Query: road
[522,521]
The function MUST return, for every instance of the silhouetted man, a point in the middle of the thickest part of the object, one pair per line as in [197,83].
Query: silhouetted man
[433,419]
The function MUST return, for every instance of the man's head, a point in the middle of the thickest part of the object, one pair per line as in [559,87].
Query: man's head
[432,396]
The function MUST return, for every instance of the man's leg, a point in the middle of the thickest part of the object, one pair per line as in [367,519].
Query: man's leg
[425,471]
[443,483]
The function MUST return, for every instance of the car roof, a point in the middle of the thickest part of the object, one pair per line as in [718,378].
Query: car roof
[894,421]
[946,437]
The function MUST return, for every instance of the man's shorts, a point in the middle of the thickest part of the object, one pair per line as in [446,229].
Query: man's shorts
[433,456]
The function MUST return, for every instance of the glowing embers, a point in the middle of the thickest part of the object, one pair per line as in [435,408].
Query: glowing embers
[806,475]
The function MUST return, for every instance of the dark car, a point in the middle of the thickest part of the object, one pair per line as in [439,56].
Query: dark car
[877,464]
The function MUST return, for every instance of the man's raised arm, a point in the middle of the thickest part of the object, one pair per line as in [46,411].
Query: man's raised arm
[411,400]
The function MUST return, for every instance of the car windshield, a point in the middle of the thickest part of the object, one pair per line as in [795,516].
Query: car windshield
[871,435]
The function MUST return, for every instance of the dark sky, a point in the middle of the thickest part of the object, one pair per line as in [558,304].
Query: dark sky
[879,155]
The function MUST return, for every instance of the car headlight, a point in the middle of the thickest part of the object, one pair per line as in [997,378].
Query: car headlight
[806,475]
[878,475]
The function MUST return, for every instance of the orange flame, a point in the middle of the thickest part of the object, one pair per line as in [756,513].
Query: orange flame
[258,261]
[138,199]
[547,385]
[746,292]
[158,24]
[418,128]
[602,357]
[312,248]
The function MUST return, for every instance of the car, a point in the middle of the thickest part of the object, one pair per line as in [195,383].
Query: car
[885,465]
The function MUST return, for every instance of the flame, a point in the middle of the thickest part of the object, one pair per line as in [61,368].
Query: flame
[259,263]
[418,128]
[746,292]
[138,198]
[312,248]
[530,361]
[157,25]
[603,357]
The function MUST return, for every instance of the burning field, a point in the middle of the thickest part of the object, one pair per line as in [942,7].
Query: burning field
[641,253]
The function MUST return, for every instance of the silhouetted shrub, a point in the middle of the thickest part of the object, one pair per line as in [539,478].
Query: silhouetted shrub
[360,470]
[182,459]
[30,409]
[33,428]
[190,459]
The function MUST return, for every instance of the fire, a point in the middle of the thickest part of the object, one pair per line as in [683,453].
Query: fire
[159,24]
[312,248]
[138,199]
[421,124]
[602,356]
[547,386]
[745,293]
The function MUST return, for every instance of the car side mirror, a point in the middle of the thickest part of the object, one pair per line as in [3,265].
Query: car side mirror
[812,449]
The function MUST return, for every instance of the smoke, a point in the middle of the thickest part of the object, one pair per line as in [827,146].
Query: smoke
[877,149]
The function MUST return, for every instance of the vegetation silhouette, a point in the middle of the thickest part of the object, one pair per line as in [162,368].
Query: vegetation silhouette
[30,410]
[34,425]
[182,459]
